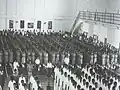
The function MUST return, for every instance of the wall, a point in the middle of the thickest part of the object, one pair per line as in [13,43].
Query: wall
[92,5]
[95,29]
[34,10]
[111,32]
[61,12]
[114,6]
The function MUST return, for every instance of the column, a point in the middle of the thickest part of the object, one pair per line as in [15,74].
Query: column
[111,35]
[90,29]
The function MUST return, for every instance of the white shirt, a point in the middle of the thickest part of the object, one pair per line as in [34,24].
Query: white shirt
[35,86]
[91,59]
[66,60]
[32,80]
[116,56]
[21,87]
[95,60]
[49,65]
[107,59]
[103,59]
[15,65]
[37,61]
[0,87]
[22,78]
[11,84]
[81,59]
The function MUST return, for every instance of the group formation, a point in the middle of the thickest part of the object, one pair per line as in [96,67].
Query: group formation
[88,77]
[25,52]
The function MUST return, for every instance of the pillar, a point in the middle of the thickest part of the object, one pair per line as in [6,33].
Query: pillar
[113,35]
[90,29]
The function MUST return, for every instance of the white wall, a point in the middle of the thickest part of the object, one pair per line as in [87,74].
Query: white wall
[34,10]
[61,12]
[100,31]
[92,5]
[45,10]
[114,6]
[111,32]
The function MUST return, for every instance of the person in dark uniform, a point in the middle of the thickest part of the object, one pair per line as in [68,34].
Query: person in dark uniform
[1,76]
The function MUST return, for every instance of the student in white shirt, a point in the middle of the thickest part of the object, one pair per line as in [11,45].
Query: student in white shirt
[34,86]
[66,60]
[11,84]
[32,80]
[49,68]
[49,65]
[21,86]
[21,78]
[0,87]
[15,65]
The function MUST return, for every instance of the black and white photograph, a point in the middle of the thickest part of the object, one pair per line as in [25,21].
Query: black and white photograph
[30,25]
[59,44]
[11,23]
[38,24]
[22,24]
[49,24]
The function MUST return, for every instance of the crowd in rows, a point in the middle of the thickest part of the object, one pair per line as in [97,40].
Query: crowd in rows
[23,77]
[88,77]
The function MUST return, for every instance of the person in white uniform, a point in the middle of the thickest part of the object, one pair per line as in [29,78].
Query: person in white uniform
[0,87]
[108,59]
[103,59]
[21,78]
[66,60]
[15,65]
[81,58]
[91,61]
[49,68]
[116,57]
[34,85]
[95,58]
[11,84]
[21,86]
